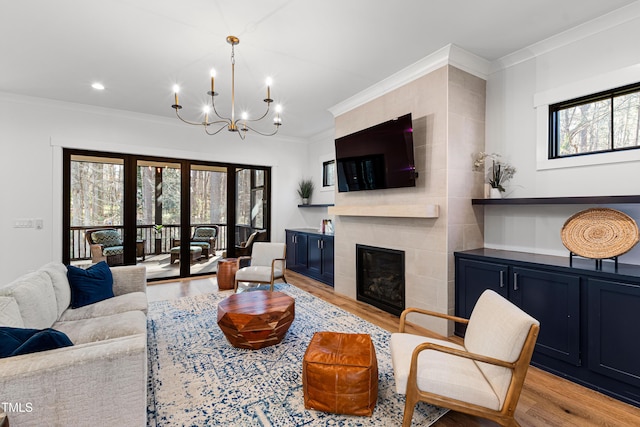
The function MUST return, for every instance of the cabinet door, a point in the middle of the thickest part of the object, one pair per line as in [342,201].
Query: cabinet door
[291,248]
[554,300]
[327,259]
[613,310]
[314,251]
[473,278]
[301,251]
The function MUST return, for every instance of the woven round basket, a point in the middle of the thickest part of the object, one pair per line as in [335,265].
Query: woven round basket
[600,233]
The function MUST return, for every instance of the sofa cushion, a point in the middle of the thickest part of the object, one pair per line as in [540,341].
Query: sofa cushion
[58,273]
[118,304]
[16,341]
[91,285]
[104,328]
[36,299]
[10,313]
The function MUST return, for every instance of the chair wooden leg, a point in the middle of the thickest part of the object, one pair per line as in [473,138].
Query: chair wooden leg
[409,406]
[235,286]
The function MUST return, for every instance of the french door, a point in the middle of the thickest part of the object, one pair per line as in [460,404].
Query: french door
[151,209]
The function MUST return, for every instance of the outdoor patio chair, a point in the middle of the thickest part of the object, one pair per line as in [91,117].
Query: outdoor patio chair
[105,245]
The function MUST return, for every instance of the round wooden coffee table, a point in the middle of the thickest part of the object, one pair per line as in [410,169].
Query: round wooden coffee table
[256,319]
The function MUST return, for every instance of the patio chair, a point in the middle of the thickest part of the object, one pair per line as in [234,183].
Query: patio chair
[105,245]
[244,249]
[203,237]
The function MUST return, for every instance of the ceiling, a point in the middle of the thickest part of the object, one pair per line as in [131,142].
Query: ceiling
[317,53]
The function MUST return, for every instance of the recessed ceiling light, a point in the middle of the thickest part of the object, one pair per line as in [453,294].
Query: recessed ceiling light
[97,86]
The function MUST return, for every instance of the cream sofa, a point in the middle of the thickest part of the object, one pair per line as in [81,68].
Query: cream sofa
[102,378]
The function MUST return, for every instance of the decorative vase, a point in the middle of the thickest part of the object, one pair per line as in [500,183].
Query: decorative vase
[305,201]
[487,191]
[495,193]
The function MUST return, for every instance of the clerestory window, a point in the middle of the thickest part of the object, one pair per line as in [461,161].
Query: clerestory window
[603,122]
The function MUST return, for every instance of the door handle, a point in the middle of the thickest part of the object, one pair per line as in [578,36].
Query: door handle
[502,278]
[515,281]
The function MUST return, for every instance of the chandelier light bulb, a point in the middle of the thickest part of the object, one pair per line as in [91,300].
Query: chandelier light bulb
[97,86]
[279,108]
[245,116]
[176,89]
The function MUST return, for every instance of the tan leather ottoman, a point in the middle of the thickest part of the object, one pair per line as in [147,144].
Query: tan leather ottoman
[340,374]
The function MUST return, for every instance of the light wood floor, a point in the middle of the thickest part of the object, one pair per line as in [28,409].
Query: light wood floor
[546,400]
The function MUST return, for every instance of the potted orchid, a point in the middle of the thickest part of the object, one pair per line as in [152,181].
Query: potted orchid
[498,172]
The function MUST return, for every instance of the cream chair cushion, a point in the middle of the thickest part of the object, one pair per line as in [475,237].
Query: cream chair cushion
[264,253]
[498,329]
[440,373]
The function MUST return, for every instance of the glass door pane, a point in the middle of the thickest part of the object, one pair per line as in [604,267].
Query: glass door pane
[96,205]
[208,215]
[158,218]
[251,203]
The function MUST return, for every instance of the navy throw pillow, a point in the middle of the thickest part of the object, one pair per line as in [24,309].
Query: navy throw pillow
[91,285]
[16,341]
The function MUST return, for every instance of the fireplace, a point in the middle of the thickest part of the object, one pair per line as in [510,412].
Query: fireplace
[380,278]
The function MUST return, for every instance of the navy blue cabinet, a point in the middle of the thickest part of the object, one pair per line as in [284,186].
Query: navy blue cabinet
[311,253]
[296,250]
[552,298]
[587,315]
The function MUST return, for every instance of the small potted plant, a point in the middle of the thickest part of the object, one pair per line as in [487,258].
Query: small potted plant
[305,189]
[497,174]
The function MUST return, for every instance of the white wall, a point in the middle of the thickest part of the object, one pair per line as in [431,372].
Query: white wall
[33,130]
[579,62]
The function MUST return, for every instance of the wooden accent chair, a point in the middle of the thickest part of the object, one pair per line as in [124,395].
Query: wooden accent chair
[482,377]
[267,264]
[105,245]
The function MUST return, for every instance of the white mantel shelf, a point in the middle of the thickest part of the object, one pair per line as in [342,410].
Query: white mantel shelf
[390,211]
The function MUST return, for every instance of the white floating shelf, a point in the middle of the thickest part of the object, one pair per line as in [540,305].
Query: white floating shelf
[391,211]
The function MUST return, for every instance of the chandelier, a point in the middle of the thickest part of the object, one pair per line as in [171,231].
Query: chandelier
[233,124]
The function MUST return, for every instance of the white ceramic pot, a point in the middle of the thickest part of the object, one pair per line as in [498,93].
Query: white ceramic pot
[495,193]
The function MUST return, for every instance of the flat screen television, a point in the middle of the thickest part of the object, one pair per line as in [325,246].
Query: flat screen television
[377,157]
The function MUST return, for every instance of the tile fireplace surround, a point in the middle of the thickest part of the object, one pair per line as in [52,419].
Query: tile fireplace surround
[448,110]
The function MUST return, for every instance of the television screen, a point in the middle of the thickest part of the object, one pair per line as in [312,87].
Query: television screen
[377,157]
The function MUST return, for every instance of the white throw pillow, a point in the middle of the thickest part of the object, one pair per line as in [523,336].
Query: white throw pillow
[10,313]
[58,273]
[36,299]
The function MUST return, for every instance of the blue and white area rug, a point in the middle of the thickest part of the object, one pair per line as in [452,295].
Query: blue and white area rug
[196,378]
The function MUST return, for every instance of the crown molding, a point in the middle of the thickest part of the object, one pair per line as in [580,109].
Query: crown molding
[448,55]
[582,31]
